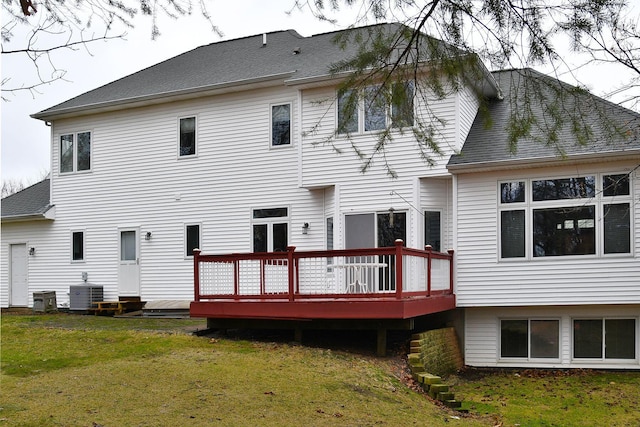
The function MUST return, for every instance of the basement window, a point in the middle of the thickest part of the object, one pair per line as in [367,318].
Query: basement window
[530,338]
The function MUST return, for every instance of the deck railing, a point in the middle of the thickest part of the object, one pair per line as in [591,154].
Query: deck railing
[398,272]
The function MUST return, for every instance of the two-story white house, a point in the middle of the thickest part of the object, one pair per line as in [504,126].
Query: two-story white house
[224,149]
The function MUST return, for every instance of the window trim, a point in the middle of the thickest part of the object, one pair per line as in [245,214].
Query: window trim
[604,358]
[195,136]
[84,246]
[185,239]
[528,358]
[599,201]
[74,161]
[291,142]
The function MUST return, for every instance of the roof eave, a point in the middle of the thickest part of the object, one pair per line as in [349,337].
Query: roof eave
[48,215]
[542,161]
[164,97]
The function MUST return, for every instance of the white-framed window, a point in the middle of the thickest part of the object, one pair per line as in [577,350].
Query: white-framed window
[605,338]
[526,338]
[187,136]
[270,229]
[281,125]
[192,238]
[75,152]
[372,110]
[77,246]
[587,215]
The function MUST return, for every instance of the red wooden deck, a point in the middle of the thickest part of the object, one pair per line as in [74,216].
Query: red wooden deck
[374,283]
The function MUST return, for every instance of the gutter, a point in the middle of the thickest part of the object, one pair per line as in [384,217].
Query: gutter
[48,215]
[159,98]
[542,161]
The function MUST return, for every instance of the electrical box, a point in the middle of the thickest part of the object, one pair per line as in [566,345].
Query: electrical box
[44,302]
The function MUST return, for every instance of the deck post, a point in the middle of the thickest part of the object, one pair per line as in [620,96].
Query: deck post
[291,271]
[381,349]
[196,274]
[429,250]
[450,252]
[399,244]
[236,278]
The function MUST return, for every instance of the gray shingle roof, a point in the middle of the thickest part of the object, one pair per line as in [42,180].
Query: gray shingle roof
[489,146]
[216,65]
[287,58]
[33,201]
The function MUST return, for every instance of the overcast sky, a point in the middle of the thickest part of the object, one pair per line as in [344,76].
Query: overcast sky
[26,141]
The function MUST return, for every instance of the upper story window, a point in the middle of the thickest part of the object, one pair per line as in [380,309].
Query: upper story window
[75,152]
[280,125]
[588,215]
[187,136]
[376,110]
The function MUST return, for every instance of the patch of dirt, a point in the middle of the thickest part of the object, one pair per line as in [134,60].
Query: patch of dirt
[475,374]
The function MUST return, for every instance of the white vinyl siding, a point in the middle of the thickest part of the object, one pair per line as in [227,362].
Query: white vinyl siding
[41,267]
[483,279]
[403,155]
[235,171]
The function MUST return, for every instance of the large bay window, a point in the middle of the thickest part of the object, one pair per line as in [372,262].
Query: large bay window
[588,215]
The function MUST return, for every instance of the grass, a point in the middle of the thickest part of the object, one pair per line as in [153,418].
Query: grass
[67,370]
[554,398]
[63,370]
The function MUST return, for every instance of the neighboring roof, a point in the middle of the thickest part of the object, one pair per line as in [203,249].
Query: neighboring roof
[283,57]
[488,147]
[31,203]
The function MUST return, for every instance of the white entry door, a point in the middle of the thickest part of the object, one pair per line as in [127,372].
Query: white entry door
[19,283]
[129,262]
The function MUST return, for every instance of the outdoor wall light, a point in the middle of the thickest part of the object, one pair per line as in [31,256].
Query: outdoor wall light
[147,236]
[305,228]
[32,251]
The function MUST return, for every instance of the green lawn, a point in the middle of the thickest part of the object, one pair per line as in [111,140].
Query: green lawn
[68,370]
[62,370]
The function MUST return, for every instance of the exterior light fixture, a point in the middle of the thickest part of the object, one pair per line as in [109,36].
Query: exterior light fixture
[147,236]
[305,228]
[32,251]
